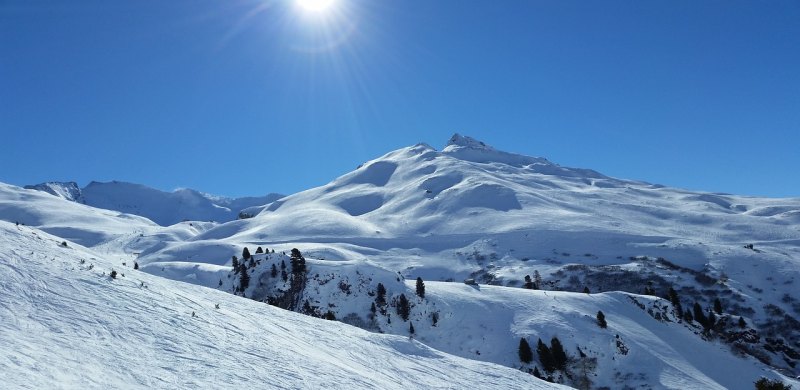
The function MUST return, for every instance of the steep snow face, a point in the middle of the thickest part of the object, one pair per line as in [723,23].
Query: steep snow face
[66,190]
[65,323]
[167,208]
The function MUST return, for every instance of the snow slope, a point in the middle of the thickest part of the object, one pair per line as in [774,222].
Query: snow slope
[164,208]
[66,324]
[645,345]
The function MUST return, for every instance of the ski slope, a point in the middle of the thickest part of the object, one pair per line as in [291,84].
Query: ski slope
[64,323]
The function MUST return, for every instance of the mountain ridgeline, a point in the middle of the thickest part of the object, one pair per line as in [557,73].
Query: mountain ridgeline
[163,208]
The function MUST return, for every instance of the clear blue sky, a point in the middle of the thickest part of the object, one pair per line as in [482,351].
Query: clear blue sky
[241,97]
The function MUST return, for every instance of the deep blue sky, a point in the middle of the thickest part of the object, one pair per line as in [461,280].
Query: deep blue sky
[242,97]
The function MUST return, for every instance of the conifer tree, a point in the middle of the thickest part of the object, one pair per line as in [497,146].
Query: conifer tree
[244,280]
[420,287]
[235,264]
[528,283]
[259,250]
[403,308]
[411,327]
[559,356]
[525,353]
[586,289]
[698,315]
[545,356]
[717,306]
[273,271]
[245,253]
[601,319]
[537,280]
[536,373]
[380,299]
[298,261]
[135,265]
[742,324]
[672,296]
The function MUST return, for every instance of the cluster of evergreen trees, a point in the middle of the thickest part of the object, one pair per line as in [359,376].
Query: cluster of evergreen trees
[552,358]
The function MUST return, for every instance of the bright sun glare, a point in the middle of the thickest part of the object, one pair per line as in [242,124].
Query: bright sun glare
[316,5]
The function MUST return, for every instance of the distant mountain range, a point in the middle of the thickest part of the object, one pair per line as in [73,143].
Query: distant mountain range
[163,208]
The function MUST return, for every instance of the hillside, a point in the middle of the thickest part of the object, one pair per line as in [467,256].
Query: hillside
[65,323]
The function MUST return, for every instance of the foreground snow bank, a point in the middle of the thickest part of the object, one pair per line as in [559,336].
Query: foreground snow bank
[65,323]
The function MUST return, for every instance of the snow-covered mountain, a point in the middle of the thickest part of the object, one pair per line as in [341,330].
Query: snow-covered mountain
[658,261]
[163,208]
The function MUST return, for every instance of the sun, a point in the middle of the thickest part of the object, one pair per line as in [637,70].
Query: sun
[319,6]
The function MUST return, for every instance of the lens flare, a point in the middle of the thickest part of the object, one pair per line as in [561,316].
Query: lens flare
[315,5]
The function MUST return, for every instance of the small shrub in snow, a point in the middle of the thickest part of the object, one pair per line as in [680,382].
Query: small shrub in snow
[601,319]
[113,274]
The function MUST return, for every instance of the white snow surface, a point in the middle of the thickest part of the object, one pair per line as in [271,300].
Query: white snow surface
[471,211]
[164,208]
[65,323]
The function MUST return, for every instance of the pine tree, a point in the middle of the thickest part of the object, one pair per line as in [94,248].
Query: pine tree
[273,271]
[283,264]
[601,319]
[420,287]
[537,280]
[536,373]
[525,353]
[244,280]
[259,250]
[545,356]
[245,253]
[235,264]
[559,356]
[586,290]
[411,327]
[330,316]
[717,306]
[298,262]
[742,324]
[698,314]
[135,265]
[673,297]
[403,308]
[380,299]
[528,283]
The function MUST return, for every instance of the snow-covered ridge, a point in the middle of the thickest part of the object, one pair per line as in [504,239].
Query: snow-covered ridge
[66,190]
[164,208]
[469,149]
